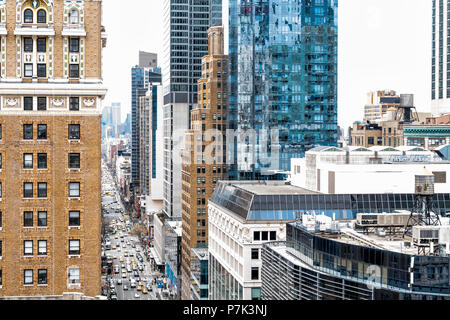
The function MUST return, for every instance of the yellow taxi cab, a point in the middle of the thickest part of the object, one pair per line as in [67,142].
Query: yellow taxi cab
[113,248]
[121,259]
[139,288]
[116,237]
[126,251]
[144,291]
[141,283]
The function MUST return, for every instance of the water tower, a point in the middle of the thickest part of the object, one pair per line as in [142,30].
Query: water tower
[423,214]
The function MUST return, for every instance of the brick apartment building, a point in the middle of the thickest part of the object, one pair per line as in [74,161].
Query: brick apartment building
[51,93]
[204,158]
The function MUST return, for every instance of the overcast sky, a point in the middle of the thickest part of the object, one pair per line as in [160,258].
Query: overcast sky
[383,44]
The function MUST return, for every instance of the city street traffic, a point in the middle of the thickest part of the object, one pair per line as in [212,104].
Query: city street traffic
[131,275]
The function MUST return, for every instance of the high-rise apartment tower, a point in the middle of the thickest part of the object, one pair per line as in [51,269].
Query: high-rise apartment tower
[51,93]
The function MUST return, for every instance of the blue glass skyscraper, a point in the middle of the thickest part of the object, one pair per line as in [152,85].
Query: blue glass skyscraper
[283,77]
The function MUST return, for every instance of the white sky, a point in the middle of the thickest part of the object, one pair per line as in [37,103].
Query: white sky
[383,44]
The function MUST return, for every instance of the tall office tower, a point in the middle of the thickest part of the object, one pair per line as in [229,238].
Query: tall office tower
[440,58]
[150,106]
[283,82]
[204,160]
[140,78]
[186,23]
[51,91]
[378,103]
[115,117]
[148,60]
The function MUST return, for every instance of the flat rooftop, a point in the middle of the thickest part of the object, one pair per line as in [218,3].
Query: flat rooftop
[267,188]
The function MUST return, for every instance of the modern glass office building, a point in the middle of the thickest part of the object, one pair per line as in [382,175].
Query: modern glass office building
[185,42]
[319,266]
[283,77]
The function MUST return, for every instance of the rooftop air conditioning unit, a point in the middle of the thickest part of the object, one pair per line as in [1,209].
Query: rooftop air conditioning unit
[364,219]
[425,234]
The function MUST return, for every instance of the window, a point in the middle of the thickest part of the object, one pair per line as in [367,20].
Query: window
[264,236]
[42,247]
[255,254]
[74,189]
[28,103]
[42,218]
[1,280]
[42,132]
[74,45]
[28,132]
[273,235]
[1,249]
[41,70]
[74,160]
[74,275]
[74,246]
[42,190]
[42,161]
[0,222]
[28,190]
[28,16]
[28,247]
[28,276]
[41,16]
[74,71]
[27,44]
[74,103]
[74,132]
[256,235]
[1,162]
[42,102]
[74,218]
[28,161]
[42,45]
[73,16]
[28,219]
[255,273]
[0,132]
[28,70]
[42,276]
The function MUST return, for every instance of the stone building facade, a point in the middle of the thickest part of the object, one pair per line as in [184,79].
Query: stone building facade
[51,92]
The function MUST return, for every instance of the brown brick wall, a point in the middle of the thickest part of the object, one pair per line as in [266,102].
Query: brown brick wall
[57,205]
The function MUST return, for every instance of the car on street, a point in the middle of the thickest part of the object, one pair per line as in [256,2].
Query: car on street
[136,295]
[139,288]
[125,287]
[124,275]
[119,282]
[113,297]
[144,291]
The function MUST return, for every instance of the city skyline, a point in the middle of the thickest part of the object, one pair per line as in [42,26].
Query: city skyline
[378,50]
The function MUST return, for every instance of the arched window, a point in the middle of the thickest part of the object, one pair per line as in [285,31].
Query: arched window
[42,16]
[73,16]
[28,16]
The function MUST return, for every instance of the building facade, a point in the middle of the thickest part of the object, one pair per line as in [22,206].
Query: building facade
[283,82]
[378,103]
[51,93]
[427,136]
[245,215]
[367,170]
[440,78]
[317,264]
[186,23]
[204,156]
